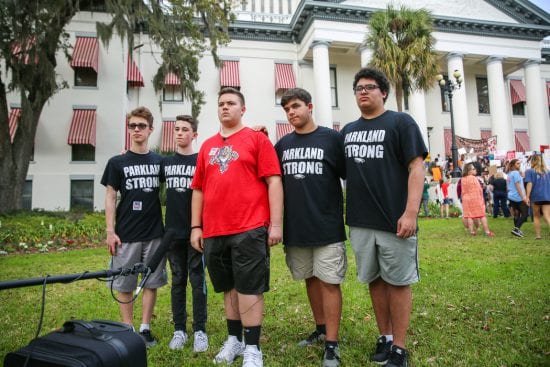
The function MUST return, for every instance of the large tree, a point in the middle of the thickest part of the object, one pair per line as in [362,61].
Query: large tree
[33,31]
[403,48]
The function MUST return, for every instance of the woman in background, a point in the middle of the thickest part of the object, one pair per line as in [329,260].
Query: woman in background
[473,202]
[519,201]
[538,191]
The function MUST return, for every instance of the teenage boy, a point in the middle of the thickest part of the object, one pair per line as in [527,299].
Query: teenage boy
[177,171]
[385,174]
[237,209]
[313,162]
[134,227]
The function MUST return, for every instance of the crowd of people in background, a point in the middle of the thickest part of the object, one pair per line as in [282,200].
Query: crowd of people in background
[518,188]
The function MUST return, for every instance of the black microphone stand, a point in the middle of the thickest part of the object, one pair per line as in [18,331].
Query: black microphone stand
[138,268]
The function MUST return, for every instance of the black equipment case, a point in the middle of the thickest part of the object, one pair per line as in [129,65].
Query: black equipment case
[96,343]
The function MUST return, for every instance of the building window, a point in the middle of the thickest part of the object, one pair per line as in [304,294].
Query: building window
[26,196]
[445,97]
[482,95]
[333,87]
[518,109]
[85,77]
[82,194]
[82,152]
[172,93]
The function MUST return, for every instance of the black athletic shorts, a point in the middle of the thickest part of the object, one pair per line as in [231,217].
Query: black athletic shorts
[239,261]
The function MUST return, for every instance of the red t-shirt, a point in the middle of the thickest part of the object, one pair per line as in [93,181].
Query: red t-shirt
[231,175]
[445,189]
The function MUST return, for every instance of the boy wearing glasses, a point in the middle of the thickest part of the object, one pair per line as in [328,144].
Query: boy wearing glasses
[385,155]
[134,227]
[177,171]
[236,215]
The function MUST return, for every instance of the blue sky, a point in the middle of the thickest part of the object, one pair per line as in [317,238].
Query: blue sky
[543,4]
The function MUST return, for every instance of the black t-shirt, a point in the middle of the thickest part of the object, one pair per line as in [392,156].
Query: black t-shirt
[136,177]
[499,184]
[378,152]
[312,165]
[178,171]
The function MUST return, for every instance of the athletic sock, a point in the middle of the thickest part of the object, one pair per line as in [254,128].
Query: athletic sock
[144,327]
[321,328]
[235,328]
[252,335]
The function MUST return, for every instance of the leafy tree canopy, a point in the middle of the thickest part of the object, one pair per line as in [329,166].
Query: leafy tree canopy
[403,48]
[32,32]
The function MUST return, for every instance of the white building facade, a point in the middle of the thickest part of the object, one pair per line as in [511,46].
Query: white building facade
[496,45]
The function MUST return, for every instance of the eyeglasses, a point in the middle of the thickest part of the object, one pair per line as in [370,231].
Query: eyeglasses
[365,88]
[142,126]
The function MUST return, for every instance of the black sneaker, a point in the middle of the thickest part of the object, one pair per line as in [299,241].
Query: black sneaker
[382,352]
[314,337]
[148,338]
[517,232]
[398,357]
[331,358]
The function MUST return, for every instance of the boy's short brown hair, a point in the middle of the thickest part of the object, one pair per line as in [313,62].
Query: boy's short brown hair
[142,112]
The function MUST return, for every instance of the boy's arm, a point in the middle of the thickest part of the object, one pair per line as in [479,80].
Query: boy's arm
[196,220]
[275,193]
[110,208]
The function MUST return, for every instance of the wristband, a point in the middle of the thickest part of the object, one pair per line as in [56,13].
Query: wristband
[194,227]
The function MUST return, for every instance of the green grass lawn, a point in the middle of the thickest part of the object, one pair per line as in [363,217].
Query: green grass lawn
[480,302]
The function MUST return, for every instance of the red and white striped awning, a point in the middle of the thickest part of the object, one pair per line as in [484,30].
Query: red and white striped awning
[485,133]
[82,129]
[133,75]
[548,92]
[22,53]
[15,113]
[172,79]
[168,144]
[86,53]
[229,74]
[517,91]
[522,141]
[127,139]
[283,128]
[284,76]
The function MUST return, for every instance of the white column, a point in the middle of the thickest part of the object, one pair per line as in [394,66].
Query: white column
[417,109]
[321,75]
[366,55]
[501,120]
[537,111]
[460,106]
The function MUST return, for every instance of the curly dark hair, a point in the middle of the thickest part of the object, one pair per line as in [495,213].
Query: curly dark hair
[375,74]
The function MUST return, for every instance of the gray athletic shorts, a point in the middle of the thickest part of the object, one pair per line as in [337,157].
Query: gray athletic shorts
[131,253]
[383,254]
[328,263]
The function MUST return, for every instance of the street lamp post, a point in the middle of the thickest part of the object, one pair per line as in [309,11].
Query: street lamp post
[448,87]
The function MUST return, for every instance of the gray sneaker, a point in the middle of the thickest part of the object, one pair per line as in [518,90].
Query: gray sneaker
[252,357]
[331,358]
[148,338]
[231,349]
[178,340]
[314,337]
[200,341]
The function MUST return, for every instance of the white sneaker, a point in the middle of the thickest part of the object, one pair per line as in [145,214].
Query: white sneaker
[200,341]
[231,349]
[178,340]
[252,357]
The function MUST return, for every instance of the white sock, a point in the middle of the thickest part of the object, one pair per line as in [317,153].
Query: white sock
[144,327]
[389,338]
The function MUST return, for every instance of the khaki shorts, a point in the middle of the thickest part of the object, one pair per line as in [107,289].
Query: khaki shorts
[328,263]
[131,253]
[383,254]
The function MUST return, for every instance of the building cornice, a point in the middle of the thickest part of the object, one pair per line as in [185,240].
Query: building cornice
[308,11]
